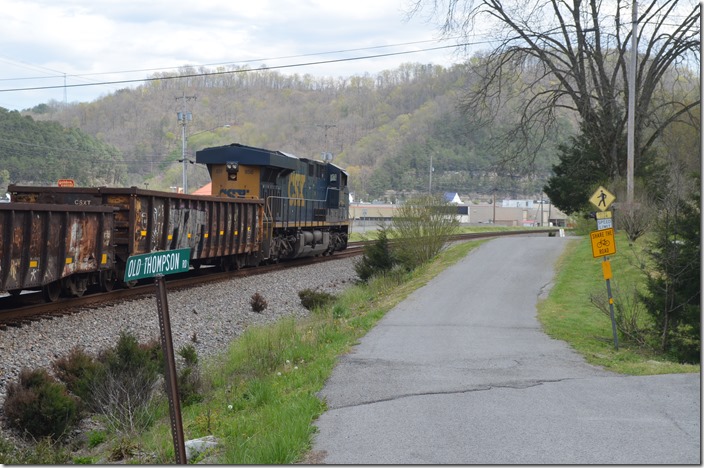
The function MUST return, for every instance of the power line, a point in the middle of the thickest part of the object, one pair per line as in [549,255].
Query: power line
[264,68]
[211,64]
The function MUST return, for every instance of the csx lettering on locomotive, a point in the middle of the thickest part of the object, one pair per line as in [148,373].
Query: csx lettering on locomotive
[296,182]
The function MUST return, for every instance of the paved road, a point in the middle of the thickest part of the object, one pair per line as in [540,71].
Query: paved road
[461,373]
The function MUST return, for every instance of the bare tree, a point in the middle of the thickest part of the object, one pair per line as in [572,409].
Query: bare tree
[578,52]
[422,227]
[123,398]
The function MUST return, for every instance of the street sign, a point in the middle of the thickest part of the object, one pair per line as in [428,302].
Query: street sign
[65,183]
[603,242]
[157,263]
[604,223]
[602,198]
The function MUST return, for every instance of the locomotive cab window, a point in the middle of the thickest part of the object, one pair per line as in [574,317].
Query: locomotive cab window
[333,177]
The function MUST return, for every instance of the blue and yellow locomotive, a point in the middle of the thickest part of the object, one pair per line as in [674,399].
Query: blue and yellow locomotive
[306,202]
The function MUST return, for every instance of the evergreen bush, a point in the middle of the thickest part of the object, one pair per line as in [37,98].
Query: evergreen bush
[311,299]
[190,384]
[40,405]
[258,303]
[78,370]
[377,258]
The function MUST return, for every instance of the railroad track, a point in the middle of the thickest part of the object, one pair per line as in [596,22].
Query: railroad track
[30,307]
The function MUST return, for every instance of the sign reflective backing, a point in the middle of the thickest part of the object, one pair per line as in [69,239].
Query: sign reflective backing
[157,263]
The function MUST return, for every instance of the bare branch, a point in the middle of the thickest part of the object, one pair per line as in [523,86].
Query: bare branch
[583,46]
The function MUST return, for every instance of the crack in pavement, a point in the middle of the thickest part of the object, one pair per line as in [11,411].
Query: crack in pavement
[481,388]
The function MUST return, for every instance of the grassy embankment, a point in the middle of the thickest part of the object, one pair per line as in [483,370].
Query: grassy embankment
[569,315]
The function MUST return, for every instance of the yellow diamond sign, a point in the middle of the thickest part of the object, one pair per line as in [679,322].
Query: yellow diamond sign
[602,198]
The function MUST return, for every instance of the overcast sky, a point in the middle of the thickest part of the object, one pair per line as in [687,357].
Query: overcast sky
[49,42]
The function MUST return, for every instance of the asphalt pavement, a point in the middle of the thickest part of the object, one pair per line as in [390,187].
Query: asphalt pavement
[461,373]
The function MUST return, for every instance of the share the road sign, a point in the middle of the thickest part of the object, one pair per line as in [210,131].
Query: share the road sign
[157,263]
[603,242]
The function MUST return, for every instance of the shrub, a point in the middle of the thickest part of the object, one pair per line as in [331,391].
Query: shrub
[422,227]
[130,356]
[126,383]
[96,438]
[40,405]
[78,371]
[189,377]
[189,355]
[377,258]
[258,303]
[311,299]
[673,296]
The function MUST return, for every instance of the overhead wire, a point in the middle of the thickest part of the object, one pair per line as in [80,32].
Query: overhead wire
[243,70]
[142,70]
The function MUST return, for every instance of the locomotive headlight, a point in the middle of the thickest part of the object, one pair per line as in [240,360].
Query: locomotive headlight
[232,168]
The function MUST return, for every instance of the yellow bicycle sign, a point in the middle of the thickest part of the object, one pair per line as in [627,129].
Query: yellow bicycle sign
[603,242]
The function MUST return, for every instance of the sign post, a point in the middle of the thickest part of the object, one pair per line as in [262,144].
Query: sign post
[604,244]
[158,264]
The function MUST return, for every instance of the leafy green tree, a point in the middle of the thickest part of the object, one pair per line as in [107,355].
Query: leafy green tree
[36,152]
[575,176]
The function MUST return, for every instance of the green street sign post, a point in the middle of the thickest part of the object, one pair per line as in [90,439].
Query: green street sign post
[158,264]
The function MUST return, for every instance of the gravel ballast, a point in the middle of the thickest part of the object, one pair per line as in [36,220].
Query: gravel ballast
[208,317]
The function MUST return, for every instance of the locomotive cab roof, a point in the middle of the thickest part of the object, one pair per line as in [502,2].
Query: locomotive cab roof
[252,156]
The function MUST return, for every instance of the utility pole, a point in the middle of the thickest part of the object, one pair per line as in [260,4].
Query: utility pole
[327,155]
[430,179]
[184,117]
[541,209]
[632,107]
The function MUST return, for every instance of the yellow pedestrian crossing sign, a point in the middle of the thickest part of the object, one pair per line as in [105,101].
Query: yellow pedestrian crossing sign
[602,198]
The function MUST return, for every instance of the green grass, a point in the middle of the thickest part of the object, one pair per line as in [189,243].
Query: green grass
[371,233]
[569,315]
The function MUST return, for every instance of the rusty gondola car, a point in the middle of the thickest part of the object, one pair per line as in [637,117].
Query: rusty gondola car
[218,231]
[55,248]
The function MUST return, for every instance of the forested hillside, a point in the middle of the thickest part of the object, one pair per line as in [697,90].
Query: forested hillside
[33,152]
[383,129]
